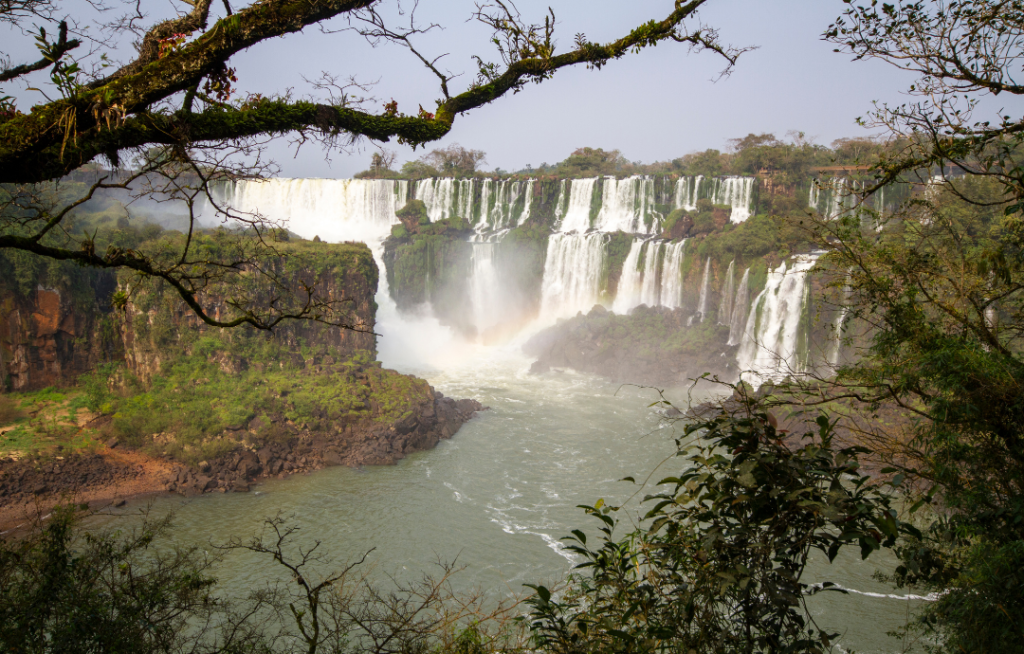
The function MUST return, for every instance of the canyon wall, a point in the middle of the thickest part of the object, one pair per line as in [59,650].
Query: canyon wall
[156,325]
[55,323]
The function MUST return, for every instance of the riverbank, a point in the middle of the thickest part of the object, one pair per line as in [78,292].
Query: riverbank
[90,467]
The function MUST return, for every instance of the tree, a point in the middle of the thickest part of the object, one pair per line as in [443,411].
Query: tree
[170,112]
[592,162]
[63,589]
[454,160]
[67,589]
[939,283]
[961,51]
[715,564]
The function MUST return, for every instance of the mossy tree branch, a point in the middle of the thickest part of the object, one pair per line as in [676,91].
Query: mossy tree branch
[134,108]
[35,148]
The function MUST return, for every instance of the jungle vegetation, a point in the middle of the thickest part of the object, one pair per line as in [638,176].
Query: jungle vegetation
[716,563]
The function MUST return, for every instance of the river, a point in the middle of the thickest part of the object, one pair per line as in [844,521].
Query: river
[498,496]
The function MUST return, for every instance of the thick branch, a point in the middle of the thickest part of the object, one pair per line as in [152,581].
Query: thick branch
[33,133]
[268,117]
[149,49]
[33,148]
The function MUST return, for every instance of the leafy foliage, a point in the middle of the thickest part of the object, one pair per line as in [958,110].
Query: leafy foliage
[717,560]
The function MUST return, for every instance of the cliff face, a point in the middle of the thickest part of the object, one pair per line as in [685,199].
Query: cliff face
[157,326]
[220,408]
[50,336]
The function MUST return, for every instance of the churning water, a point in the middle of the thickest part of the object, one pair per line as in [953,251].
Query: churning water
[500,494]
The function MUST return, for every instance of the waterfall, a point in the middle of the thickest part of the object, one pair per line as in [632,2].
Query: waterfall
[737,192]
[650,289]
[561,202]
[829,197]
[687,189]
[333,209]
[505,199]
[844,313]
[577,213]
[702,303]
[528,203]
[465,210]
[401,193]
[484,290]
[438,195]
[572,274]
[739,309]
[725,308]
[672,275]
[340,210]
[484,222]
[627,205]
[628,294]
[771,342]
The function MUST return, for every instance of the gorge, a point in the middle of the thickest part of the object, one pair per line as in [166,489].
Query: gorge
[644,279]
[497,259]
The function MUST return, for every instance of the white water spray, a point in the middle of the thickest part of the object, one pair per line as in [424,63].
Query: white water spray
[630,281]
[739,309]
[771,347]
[572,274]
[702,303]
[725,307]
[650,288]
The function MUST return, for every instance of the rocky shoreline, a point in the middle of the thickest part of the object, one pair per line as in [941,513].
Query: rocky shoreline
[114,473]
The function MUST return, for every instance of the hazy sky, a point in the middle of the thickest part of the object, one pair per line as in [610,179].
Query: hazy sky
[656,105]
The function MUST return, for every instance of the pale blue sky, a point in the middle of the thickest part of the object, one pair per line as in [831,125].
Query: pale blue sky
[655,105]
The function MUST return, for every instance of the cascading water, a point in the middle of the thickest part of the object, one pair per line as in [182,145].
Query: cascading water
[687,189]
[672,275]
[702,303]
[347,210]
[465,201]
[771,346]
[829,197]
[572,274]
[577,212]
[737,192]
[630,282]
[484,222]
[339,210]
[334,210]
[528,204]
[725,308]
[438,195]
[650,289]
[484,290]
[844,312]
[739,309]
[627,205]
[562,202]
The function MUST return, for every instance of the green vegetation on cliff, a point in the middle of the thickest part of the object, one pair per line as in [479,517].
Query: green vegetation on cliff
[199,407]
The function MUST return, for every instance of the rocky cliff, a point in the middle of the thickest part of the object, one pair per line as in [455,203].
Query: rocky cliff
[55,323]
[156,325]
[216,409]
